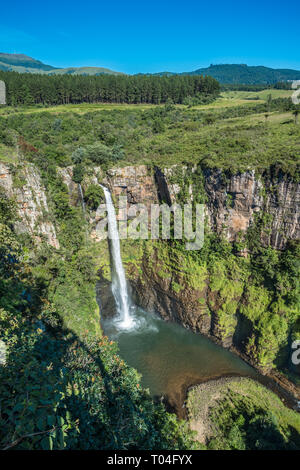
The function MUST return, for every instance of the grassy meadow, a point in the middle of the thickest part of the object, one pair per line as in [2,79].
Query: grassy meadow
[237,131]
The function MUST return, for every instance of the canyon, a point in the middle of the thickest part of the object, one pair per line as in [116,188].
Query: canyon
[233,205]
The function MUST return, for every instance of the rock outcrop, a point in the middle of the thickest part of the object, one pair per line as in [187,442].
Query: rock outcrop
[32,207]
[66,175]
[137,183]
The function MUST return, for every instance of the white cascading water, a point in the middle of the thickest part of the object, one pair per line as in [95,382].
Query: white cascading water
[81,197]
[119,285]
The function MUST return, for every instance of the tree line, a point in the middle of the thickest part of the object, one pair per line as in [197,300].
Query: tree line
[30,89]
[256,87]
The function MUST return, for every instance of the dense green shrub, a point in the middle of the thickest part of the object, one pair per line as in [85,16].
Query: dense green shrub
[243,422]
[93,196]
[78,172]
[58,392]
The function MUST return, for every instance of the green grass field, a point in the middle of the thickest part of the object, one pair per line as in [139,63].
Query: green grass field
[253,95]
[226,99]
[75,108]
[231,133]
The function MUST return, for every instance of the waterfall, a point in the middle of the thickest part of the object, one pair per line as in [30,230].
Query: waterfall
[119,285]
[81,197]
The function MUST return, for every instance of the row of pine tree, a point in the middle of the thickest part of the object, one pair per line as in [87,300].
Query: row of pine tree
[29,89]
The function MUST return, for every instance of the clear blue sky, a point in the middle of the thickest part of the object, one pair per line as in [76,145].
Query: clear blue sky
[139,36]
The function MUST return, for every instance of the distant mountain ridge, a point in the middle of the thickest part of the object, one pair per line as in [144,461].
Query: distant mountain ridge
[22,63]
[25,64]
[224,73]
[248,75]
[84,71]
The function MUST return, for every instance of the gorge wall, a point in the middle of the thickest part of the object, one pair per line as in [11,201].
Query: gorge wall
[176,286]
[163,279]
[231,203]
[25,187]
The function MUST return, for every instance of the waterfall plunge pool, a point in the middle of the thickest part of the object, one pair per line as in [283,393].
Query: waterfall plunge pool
[170,357]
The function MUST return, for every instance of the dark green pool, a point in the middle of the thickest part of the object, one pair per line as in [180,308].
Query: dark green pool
[172,358]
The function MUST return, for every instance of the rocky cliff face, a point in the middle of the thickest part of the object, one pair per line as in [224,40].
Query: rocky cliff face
[232,203]
[66,175]
[136,184]
[29,193]
[155,292]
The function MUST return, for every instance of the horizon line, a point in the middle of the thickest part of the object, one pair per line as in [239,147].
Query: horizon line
[115,69]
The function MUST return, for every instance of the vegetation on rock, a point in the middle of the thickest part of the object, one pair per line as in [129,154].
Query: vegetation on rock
[240,414]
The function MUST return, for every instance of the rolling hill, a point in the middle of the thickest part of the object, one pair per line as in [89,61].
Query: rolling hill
[224,73]
[25,64]
[248,75]
[22,63]
[84,71]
